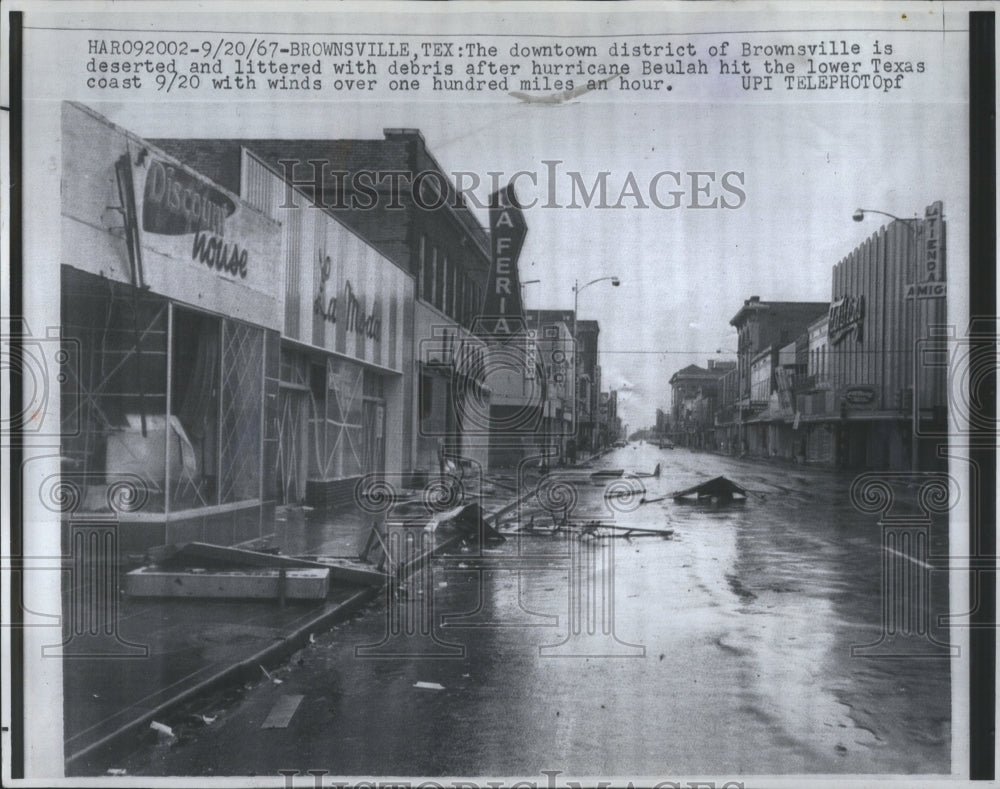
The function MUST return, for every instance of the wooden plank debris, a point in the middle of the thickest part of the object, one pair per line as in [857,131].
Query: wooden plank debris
[201,554]
[282,712]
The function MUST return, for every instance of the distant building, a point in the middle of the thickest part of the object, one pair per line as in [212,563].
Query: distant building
[610,426]
[858,382]
[555,351]
[587,380]
[694,395]
[762,325]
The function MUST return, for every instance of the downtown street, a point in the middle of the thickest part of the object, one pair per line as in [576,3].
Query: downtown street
[736,631]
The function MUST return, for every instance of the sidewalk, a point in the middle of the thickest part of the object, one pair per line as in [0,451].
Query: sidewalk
[196,646]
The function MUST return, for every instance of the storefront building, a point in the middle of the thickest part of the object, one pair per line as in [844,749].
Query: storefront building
[764,326]
[860,387]
[553,334]
[347,385]
[411,214]
[171,324]
[889,294]
[814,397]
[554,343]
[588,385]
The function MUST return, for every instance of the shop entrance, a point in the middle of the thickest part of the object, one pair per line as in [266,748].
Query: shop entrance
[293,444]
[374,443]
[373,419]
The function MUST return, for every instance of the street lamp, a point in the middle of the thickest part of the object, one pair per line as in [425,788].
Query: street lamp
[859,214]
[909,224]
[577,287]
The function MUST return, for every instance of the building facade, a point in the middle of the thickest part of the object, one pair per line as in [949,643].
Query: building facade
[347,344]
[582,418]
[886,322]
[763,326]
[555,349]
[422,226]
[588,384]
[853,383]
[171,323]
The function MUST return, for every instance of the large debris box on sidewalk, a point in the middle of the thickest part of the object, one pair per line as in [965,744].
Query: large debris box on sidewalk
[198,569]
[264,583]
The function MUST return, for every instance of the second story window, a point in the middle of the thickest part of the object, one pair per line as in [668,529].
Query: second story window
[432,292]
[439,280]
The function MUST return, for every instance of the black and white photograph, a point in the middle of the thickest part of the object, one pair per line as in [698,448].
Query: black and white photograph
[499,394]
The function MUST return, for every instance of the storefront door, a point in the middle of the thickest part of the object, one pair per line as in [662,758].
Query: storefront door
[374,441]
[293,445]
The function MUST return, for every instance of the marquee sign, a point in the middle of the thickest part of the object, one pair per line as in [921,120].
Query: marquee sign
[847,315]
[175,203]
[188,217]
[186,238]
[356,318]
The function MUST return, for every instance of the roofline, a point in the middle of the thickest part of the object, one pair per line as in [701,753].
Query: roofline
[750,306]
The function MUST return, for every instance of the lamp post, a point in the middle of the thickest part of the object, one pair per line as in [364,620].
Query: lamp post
[577,287]
[911,225]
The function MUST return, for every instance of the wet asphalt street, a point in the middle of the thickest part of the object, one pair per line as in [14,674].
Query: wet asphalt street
[723,650]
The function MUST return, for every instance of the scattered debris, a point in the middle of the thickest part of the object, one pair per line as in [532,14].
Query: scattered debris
[162,729]
[718,489]
[428,685]
[116,771]
[655,473]
[469,522]
[606,475]
[623,492]
[281,713]
[608,529]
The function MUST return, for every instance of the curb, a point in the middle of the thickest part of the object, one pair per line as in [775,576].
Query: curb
[235,673]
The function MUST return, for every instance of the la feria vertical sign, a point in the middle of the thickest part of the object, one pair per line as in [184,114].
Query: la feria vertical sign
[503,312]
